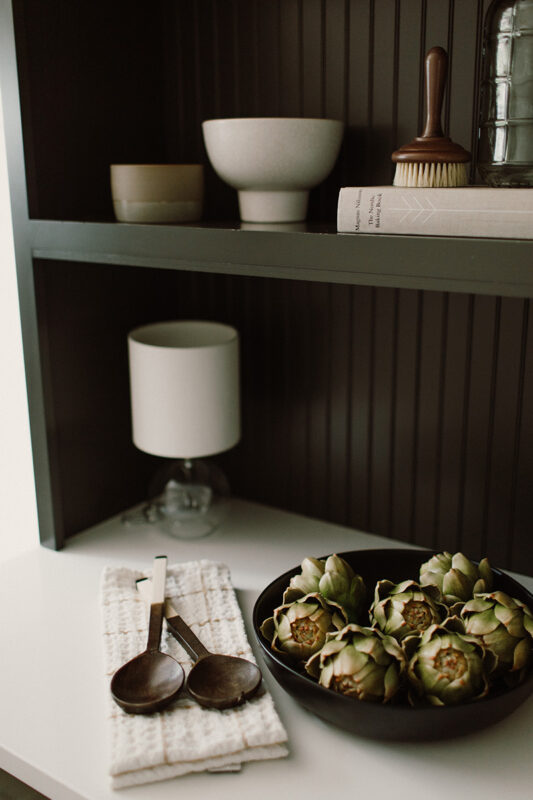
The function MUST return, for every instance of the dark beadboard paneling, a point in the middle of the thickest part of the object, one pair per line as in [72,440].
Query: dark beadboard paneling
[136,87]
[519,543]
[453,378]
[360,61]
[396,411]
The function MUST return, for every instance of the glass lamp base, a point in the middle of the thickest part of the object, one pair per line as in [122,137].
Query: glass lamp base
[193,502]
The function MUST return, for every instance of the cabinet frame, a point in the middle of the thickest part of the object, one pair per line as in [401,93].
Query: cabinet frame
[317,254]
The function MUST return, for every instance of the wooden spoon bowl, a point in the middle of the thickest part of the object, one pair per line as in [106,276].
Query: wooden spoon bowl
[147,683]
[151,680]
[219,681]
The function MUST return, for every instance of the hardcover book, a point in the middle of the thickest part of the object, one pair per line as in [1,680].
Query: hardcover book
[478,211]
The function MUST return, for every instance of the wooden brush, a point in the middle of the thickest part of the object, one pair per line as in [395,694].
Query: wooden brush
[432,159]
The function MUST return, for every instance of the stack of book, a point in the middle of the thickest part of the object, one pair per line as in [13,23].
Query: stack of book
[478,211]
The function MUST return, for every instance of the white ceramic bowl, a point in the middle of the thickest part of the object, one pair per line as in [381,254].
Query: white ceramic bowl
[273,161]
[162,193]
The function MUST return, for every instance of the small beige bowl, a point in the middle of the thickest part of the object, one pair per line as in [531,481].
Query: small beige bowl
[161,193]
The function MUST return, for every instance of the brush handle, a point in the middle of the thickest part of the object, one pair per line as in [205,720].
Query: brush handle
[436,66]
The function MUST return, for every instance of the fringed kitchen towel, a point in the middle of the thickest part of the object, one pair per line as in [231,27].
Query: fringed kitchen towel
[184,737]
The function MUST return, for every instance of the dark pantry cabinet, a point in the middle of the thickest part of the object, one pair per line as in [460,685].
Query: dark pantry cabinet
[387,381]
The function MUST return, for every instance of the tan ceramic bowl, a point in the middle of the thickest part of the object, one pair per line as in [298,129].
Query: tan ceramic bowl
[160,193]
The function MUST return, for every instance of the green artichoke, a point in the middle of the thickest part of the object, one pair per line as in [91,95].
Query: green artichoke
[360,662]
[298,629]
[406,608]
[505,627]
[306,581]
[456,576]
[446,667]
[342,585]
[334,579]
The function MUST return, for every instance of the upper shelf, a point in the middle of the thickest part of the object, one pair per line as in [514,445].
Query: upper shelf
[481,266]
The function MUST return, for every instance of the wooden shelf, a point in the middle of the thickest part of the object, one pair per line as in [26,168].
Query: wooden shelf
[466,265]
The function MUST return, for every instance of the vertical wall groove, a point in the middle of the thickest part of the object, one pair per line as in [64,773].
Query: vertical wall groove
[490,430]
[323,62]
[464,425]
[396,71]
[415,413]
[216,57]
[394,394]
[449,48]
[347,465]
[346,74]
[423,23]
[476,81]
[440,421]
[300,59]
[371,50]
[236,61]
[510,533]
[371,406]
[331,509]
[198,68]
[523,477]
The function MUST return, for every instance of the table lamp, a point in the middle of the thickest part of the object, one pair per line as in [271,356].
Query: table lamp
[185,404]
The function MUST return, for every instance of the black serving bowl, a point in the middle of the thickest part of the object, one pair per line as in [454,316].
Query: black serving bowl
[392,722]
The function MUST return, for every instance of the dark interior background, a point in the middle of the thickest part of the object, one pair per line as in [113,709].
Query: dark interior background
[123,82]
[397,411]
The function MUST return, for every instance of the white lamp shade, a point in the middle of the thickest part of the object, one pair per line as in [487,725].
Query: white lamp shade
[184,384]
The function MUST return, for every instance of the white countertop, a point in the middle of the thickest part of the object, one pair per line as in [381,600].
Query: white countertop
[53,732]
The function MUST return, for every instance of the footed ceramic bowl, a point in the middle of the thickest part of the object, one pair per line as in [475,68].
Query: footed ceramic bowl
[273,162]
[394,721]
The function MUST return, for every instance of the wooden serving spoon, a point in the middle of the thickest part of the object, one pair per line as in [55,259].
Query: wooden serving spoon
[151,680]
[215,681]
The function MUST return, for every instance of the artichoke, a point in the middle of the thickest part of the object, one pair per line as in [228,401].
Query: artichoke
[505,627]
[298,629]
[334,579]
[406,608]
[359,662]
[306,581]
[340,584]
[446,666]
[456,576]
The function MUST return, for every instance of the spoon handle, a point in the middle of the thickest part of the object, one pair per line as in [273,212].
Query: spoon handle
[176,625]
[190,642]
[157,604]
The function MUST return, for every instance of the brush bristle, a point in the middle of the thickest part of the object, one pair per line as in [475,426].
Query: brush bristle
[430,174]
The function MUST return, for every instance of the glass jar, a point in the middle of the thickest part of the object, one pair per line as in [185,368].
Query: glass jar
[505,152]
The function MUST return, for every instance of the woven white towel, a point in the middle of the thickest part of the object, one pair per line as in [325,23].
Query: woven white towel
[184,737]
